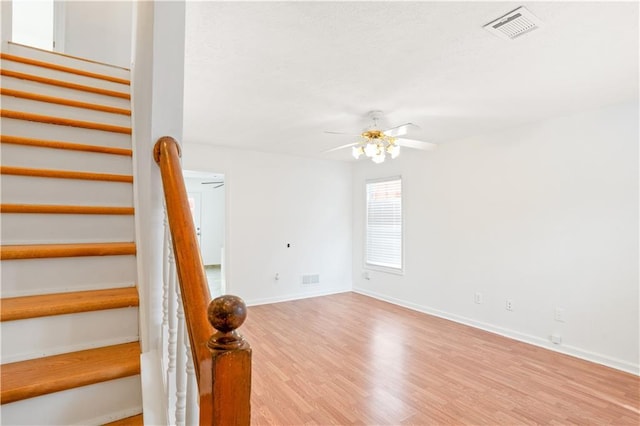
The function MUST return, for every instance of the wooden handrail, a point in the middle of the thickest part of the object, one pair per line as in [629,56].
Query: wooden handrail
[222,358]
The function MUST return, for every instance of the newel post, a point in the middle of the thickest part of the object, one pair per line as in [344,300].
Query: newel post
[230,363]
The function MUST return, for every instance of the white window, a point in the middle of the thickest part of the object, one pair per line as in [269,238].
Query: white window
[384,224]
[33,23]
[38,23]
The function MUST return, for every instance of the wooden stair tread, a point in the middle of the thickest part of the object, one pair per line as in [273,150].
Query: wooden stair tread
[43,64]
[65,84]
[31,378]
[64,174]
[65,209]
[45,143]
[129,421]
[63,101]
[38,251]
[60,121]
[17,308]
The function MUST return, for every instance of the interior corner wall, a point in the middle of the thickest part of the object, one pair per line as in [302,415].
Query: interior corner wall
[6,20]
[99,30]
[274,200]
[545,215]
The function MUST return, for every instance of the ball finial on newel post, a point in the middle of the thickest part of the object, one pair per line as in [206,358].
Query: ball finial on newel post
[226,314]
[229,400]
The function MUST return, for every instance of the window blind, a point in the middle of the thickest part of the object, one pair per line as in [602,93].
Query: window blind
[384,223]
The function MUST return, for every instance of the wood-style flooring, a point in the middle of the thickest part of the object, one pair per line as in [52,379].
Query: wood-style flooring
[351,359]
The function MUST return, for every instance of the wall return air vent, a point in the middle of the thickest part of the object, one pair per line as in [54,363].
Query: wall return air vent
[514,24]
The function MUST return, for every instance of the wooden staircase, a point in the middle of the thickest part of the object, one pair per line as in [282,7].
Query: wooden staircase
[69,307]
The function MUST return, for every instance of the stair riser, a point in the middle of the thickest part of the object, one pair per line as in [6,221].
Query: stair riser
[66,228]
[94,404]
[62,92]
[37,337]
[67,61]
[63,111]
[28,277]
[37,190]
[30,129]
[59,159]
[64,76]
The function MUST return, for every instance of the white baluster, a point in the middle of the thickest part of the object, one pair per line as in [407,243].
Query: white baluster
[173,331]
[193,411]
[165,271]
[181,365]
[165,298]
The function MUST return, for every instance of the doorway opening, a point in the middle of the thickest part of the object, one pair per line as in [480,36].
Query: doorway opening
[206,193]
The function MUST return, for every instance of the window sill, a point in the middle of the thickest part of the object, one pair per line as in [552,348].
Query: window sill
[387,270]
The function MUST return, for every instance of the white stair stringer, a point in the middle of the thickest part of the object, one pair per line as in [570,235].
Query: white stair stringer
[33,144]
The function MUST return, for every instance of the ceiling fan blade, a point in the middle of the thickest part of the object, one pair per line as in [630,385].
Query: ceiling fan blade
[342,133]
[340,147]
[412,143]
[210,183]
[400,130]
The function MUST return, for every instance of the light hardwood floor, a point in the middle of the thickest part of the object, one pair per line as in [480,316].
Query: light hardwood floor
[352,359]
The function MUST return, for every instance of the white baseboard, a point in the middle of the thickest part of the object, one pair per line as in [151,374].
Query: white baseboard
[297,296]
[512,334]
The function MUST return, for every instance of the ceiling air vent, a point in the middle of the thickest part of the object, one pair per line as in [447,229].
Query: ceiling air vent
[514,24]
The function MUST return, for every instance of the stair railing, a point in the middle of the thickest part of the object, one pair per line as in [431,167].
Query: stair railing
[207,363]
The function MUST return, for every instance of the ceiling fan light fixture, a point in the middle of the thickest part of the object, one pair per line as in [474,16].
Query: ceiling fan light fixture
[357,151]
[393,150]
[376,144]
[370,149]
[378,158]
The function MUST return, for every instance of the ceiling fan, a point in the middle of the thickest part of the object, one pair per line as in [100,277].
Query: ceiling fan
[218,184]
[375,143]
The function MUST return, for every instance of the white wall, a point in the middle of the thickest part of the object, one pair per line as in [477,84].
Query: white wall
[99,30]
[6,20]
[273,200]
[544,214]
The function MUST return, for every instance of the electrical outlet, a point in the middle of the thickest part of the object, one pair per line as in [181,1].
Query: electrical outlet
[559,315]
[556,339]
[477,298]
[509,305]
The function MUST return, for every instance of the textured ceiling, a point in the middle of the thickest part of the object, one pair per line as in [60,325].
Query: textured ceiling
[273,76]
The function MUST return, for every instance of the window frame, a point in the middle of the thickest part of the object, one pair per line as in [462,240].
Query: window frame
[373,266]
